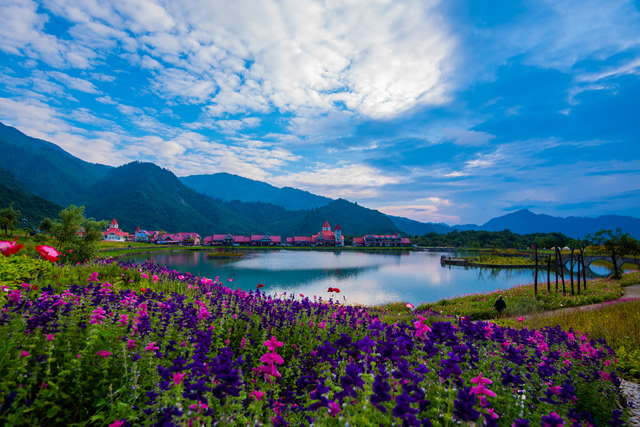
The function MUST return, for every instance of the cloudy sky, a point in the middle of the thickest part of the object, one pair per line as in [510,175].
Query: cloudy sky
[452,111]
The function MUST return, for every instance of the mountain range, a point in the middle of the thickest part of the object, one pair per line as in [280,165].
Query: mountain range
[41,178]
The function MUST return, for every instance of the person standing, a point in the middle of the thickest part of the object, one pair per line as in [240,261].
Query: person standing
[500,306]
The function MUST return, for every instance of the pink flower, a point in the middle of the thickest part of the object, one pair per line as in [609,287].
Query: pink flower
[480,380]
[104,353]
[321,325]
[131,344]
[520,319]
[145,275]
[177,378]
[49,337]
[9,248]
[421,328]
[273,343]
[93,277]
[24,354]
[199,406]
[155,278]
[47,252]
[272,358]
[116,423]
[257,394]
[152,346]
[481,390]
[124,319]
[409,305]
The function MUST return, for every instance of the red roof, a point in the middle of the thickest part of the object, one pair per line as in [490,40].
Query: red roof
[301,239]
[358,240]
[405,240]
[138,229]
[338,227]
[326,224]
[289,239]
[115,231]
[276,239]
[113,222]
[326,235]
[221,236]
[241,239]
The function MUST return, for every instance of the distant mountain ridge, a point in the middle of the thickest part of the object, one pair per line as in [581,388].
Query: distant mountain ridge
[32,208]
[145,195]
[230,187]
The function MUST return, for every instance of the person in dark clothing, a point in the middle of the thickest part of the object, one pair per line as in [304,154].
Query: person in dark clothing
[500,305]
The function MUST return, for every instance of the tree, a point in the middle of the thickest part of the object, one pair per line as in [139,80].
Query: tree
[8,218]
[77,237]
[617,244]
[46,226]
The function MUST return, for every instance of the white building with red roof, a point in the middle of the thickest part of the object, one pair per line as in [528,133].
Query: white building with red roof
[326,237]
[114,233]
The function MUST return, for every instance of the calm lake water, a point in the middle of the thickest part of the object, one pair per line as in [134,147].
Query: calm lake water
[362,277]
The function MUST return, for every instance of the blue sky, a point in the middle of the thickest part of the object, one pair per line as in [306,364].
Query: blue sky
[452,111]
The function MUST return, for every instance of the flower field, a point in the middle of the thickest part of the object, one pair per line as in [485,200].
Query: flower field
[111,343]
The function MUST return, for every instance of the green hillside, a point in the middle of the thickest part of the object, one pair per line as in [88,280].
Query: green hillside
[46,169]
[33,208]
[145,195]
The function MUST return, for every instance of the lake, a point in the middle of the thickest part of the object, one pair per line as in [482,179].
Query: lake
[364,277]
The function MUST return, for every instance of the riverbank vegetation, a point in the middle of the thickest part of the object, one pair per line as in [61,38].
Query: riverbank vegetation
[115,343]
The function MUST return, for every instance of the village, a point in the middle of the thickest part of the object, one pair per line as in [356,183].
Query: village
[325,237]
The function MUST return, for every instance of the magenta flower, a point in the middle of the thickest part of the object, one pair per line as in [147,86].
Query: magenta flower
[116,423]
[93,277]
[177,378]
[421,328]
[520,319]
[131,344]
[480,380]
[152,346]
[409,305]
[9,248]
[272,358]
[257,394]
[155,278]
[50,337]
[104,353]
[273,343]
[145,275]
[334,408]
[24,354]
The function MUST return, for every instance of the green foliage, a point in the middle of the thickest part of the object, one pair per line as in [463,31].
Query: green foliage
[32,208]
[73,246]
[617,244]
[20,268]
[8,218]
[491,239]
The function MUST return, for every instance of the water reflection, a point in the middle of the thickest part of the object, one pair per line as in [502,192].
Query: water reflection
[366,277]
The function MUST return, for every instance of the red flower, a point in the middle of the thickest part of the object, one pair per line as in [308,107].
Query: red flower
[47,252]
[260,285]
[10,248]
[143,289]
[333,290]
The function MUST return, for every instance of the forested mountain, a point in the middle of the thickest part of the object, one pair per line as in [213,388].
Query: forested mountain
[492,239]
[229,187]
[417,228]
[46,169]
[354,220]
[145,195]
[525,222]
[33,208]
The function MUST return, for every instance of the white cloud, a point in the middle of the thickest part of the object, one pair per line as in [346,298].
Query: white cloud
[74,82]
[422,213]
[467,137]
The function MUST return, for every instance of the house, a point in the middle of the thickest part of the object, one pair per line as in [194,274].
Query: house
[178,239]
[241,240]
[265,240]
[146,236]
[381,240]
[218,240]
[113,233]
[326,237]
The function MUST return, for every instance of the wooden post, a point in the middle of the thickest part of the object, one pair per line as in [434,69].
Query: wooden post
[549,274]
[584,269]
[571,272]
[578,262]
[535,274]
[557,263]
